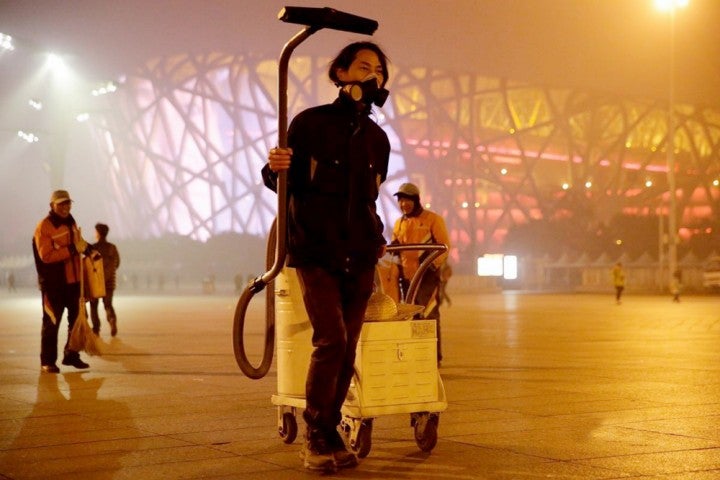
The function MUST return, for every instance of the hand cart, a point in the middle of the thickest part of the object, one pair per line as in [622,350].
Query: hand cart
[395,367]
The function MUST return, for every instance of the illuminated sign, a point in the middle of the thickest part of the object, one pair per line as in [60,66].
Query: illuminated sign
[498,265]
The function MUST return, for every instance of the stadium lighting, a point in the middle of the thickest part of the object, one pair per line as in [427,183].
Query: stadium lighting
[670,5]
[59,68]
[109,87]
[55,61]
[6,42]
[28,137]
[35,104]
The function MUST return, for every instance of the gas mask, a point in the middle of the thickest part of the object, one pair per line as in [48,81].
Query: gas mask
[367,91]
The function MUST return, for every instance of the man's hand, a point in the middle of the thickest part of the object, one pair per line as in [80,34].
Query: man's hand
[279,159]
[80,244]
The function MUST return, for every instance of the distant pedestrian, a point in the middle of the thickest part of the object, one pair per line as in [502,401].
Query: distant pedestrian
[111,262]
[676,285]
[238,279]
[11,281]
[618,275]
[445,274]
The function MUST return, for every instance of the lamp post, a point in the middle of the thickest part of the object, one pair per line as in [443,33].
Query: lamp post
[670,6]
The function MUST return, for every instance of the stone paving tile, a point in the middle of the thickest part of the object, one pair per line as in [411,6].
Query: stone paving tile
[151,468]
[675,461]
[705,427]
[76,450]
[449,460]
[574,443]
[695,475]
[68,434]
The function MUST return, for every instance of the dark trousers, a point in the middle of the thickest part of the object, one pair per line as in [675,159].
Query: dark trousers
[65,297]
[109,309]
[336,305]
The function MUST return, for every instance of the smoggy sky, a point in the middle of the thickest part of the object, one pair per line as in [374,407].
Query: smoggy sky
[622,46]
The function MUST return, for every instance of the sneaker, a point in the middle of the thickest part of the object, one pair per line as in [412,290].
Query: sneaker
[316,454]
[75,362]
[342,456]
[50,368]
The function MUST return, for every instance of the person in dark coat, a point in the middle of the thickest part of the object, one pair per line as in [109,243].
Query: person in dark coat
[111,262]
[336,160]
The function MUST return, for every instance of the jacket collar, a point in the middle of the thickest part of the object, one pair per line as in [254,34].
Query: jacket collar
[57,220]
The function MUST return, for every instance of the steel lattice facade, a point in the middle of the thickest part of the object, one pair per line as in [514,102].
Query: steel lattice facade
[186,138]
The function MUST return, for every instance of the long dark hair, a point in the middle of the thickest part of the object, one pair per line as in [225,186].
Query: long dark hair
[347,55]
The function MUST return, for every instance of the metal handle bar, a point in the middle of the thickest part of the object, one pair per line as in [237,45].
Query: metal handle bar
[435,249]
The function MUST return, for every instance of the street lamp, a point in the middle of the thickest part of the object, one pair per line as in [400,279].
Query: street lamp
[671,6]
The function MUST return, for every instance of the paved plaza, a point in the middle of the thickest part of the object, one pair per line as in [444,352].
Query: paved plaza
[557,386]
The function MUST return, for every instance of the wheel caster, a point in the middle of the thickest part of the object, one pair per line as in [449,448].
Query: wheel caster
[359,435]
[426,428]
[289,429]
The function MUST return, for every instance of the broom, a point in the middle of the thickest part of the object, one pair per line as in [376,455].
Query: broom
[82,338]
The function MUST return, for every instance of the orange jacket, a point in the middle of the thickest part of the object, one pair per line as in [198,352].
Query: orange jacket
[428,227]
[53,241]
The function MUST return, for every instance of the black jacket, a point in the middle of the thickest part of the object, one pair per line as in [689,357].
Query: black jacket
[111,262]
[339,158]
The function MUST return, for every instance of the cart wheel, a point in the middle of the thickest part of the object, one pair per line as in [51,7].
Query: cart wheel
[289,429]
[426,426]
[363,443]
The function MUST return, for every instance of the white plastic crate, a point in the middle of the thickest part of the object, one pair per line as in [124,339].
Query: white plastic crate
[397,363]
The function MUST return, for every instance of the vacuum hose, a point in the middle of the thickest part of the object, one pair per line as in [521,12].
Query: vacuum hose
[239,318]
